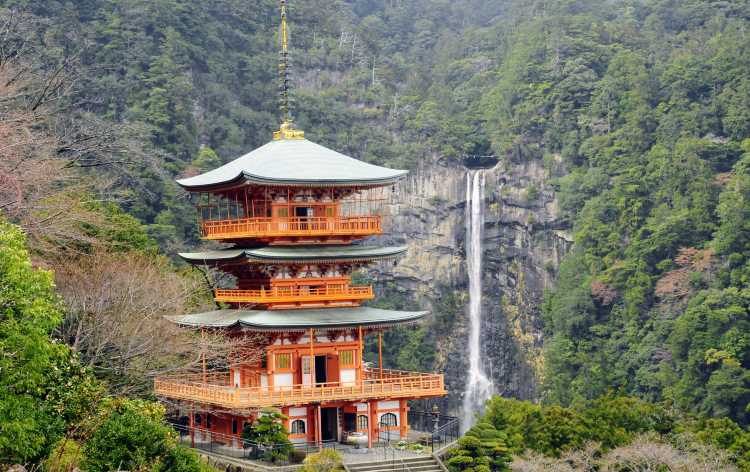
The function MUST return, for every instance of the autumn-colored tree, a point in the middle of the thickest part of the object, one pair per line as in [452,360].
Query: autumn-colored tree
[57,160]
[677,283]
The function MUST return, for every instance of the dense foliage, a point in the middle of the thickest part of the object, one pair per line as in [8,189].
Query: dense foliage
[49,401]
[203,73]
[35,406]
[610,422]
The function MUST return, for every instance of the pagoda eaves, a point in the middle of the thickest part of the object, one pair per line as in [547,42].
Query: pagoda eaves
[294,162]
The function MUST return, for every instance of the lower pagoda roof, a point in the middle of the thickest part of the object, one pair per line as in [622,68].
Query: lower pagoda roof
[300,320]
[305,254]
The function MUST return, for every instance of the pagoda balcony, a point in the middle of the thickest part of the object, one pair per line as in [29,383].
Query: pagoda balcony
[216,389]
[299,297]
[274,228]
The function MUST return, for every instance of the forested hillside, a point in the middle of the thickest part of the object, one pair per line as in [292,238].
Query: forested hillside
[639,110]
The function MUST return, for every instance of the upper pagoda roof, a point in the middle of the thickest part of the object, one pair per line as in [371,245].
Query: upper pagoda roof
[306,254]
[300,320]
[296,162]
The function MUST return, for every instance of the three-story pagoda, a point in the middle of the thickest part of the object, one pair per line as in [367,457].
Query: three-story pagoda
[292,208]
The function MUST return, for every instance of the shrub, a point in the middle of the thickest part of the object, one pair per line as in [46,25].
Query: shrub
[327,460]
[296,456]
[530,193]
[132,437]
[483,448]
[437,200]
[459,463]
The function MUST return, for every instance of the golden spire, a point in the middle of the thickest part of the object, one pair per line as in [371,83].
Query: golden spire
[286,84]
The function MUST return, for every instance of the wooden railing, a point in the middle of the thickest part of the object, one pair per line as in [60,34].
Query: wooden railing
[293,294]
[306,226]
[217,389]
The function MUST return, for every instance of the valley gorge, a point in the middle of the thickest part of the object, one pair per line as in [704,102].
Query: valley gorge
[524,243]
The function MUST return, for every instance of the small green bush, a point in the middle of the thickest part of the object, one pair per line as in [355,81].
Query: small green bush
[296,456]
[437,200]
[530,193]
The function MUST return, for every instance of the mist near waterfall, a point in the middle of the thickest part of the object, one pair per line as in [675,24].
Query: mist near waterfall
[478,385]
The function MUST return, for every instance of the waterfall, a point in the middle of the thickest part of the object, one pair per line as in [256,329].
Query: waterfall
[478,386]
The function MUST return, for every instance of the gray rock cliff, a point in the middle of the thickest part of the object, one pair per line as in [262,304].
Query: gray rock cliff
[524,242]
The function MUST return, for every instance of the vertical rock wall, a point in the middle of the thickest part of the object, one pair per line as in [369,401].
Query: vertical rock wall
[524,242]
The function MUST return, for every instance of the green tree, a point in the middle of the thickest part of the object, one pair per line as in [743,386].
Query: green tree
[28,359]
[268,430]
[207,160]
[133,436]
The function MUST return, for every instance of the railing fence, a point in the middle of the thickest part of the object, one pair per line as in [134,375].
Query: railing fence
[238,448]
[399,466]
[284,226]
[424,422]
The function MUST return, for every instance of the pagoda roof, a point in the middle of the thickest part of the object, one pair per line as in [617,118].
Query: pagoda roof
[300,320]
[295,162]
[306,254]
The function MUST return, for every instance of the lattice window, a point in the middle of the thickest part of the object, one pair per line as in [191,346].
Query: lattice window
[346,357]
[283,361]
[329,211]
[298,427]
[389,419]
[283,212]
[306,365]
[362,422]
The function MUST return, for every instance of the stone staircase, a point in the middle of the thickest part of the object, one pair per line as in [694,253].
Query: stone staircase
[422,463]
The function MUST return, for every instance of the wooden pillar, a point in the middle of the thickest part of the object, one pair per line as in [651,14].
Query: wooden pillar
[311,430]
[403,421]
[319,430]
[285,412]
[380,354]
[192,428]
[369,425]
[361,354]
[312,360]
[203,348]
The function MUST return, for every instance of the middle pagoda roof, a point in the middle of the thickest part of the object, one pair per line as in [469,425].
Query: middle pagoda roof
[303,254]
[294,162]
[300,320]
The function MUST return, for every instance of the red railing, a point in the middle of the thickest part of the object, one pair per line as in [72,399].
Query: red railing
[307,226]
[217,389]
[288,294]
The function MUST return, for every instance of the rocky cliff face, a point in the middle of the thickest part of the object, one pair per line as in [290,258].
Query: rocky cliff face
[524,242]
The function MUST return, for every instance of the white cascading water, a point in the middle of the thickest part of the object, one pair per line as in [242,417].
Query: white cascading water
[478,386]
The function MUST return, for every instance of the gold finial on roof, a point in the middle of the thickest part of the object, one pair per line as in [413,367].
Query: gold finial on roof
[286,84]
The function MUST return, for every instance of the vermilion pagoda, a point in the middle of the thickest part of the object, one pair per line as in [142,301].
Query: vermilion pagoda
[291,208]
